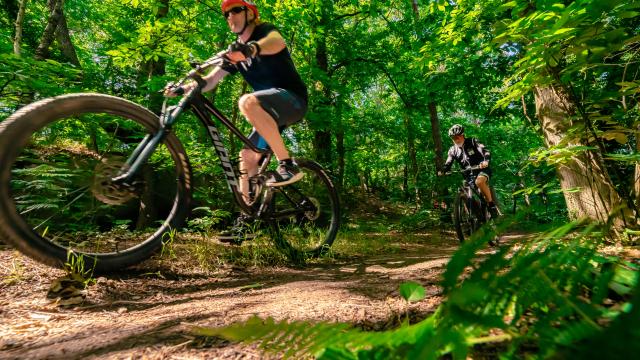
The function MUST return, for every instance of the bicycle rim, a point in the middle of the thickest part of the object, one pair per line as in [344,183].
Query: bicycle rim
[464,220]
[306,213]
[61,194]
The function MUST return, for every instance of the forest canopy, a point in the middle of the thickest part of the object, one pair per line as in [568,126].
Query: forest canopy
[549,87]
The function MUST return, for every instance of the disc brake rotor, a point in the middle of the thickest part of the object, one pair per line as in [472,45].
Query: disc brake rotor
[104,189]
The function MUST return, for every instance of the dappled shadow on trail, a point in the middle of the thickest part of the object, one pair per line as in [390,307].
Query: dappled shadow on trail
[375,277]
[142,312]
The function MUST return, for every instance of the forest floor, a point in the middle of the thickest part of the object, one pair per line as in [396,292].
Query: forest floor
[149,312]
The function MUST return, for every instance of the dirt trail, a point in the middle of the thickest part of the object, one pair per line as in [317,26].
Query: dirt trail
[149,313]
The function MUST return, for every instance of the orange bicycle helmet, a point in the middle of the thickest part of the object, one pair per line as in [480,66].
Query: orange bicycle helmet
[248,3]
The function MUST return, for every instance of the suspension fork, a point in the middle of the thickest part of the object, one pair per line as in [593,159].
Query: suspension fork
[150,142]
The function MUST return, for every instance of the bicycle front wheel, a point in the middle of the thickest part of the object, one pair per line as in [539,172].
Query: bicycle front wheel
[306,213]
[464,217]
[56,195]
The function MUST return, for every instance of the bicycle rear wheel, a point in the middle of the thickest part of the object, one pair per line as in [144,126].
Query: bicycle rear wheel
[464,217]
[306,213]
[59,156]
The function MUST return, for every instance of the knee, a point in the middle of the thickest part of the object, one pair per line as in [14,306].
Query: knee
[248,102]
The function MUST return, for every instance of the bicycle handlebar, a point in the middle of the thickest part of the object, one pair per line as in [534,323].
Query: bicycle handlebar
[465,170]
[195,74]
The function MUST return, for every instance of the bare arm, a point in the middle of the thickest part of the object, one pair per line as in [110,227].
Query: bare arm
[212,79]
[271,44]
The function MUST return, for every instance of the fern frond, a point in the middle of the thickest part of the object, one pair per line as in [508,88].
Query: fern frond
[322,340]
[547,293]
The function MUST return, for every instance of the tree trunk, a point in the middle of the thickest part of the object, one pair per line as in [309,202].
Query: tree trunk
[364,181]
[322,146]
[636,183]
[411,154]
[42,52]
[19,21]
[322,136]
[435,133]
[596,197]
[341,157]
[148,211]
[405,180]
[64,39]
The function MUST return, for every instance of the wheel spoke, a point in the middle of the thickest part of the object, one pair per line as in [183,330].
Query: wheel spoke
[60,181]
[64,208]
[306,213]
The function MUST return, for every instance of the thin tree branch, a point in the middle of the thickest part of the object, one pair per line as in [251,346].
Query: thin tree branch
[7,83]
[346,15]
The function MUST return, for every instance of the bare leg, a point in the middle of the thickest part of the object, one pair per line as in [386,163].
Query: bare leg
[483,185]
[264,124]
[248,167]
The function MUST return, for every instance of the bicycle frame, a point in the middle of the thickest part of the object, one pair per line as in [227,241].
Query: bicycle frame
[203,109]
[469,188]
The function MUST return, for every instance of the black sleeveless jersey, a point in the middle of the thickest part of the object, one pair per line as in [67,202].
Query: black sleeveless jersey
[270,71]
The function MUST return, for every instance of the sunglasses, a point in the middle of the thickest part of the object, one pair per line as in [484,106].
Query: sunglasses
[235,10]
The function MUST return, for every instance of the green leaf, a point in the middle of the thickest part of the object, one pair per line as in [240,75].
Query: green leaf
[628,14]
[509,5]
[412,291]
[562,31]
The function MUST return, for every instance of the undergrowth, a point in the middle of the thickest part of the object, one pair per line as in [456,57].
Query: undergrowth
[555,296]
[190,251]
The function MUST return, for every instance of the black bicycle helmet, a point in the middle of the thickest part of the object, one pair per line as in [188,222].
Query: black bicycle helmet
[456,129]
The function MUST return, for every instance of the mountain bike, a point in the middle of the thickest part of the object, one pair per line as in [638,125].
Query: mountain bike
[470,209]
[107,179]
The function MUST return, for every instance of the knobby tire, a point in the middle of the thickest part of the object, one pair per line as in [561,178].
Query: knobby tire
[311,233]
[57,157]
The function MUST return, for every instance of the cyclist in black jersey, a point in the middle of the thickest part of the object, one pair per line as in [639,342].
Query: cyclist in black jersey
[280,96]
[470,152]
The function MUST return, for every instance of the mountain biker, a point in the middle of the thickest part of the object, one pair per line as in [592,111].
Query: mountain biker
[279,99]
[470,152]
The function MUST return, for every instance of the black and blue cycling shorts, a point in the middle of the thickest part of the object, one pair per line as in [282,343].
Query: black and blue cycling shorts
[285,107]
